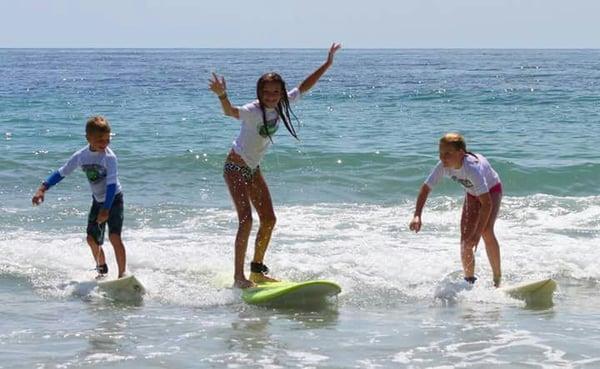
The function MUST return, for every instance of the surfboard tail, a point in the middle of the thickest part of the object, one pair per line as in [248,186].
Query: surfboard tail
[284,294]
[535,294]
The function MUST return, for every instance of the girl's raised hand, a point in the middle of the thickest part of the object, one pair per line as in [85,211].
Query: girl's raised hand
[332,50]
[218,86]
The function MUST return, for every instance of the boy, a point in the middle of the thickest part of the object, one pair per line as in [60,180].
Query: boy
[99,164]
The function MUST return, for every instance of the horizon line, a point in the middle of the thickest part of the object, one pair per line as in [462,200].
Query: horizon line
[283,48]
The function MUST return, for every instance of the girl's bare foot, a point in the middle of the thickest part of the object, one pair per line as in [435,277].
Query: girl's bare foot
[243,283]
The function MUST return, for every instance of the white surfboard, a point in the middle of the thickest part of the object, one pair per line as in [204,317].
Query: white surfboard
[535,294]
[128,288]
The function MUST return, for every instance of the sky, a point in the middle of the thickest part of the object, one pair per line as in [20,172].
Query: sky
[300,23]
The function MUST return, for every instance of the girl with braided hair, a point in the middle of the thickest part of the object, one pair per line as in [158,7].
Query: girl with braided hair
[247,186]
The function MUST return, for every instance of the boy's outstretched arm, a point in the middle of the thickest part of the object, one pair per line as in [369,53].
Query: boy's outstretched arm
[53,179]
[415,224]
[312,79]
[219,87]
[38,197]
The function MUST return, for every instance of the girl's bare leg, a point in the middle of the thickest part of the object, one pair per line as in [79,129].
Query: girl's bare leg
[468,222]
[492,246]
[261,199]
[239,194]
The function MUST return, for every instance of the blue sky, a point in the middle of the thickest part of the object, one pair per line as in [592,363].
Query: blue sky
[301,23]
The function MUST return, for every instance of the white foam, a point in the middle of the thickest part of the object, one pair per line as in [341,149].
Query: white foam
[98,358]
[367,249]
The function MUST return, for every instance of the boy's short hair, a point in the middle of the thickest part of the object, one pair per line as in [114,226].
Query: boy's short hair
[97,125]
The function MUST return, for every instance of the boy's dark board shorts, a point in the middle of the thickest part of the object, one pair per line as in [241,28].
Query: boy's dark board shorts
[115,219]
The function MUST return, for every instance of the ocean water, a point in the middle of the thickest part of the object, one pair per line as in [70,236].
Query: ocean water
[343,195]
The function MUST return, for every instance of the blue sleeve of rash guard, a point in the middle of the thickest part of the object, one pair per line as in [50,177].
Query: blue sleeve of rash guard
[111,191]
[53,179]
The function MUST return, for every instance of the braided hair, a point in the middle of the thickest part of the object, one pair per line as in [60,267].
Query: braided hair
[283,106]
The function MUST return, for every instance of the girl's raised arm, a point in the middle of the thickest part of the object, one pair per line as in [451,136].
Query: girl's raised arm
[219,87]
[310,81]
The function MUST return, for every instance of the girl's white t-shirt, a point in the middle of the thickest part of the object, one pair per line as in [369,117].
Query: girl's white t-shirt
[253,141]
[476,175]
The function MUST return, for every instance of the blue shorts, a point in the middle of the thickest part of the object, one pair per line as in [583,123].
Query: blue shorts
[115,219]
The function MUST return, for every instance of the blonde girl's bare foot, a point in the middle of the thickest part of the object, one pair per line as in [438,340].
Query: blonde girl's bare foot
[497,280]
[243,283]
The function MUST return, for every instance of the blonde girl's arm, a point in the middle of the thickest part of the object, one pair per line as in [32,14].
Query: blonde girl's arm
[219,87]
[415,224]
[312,79]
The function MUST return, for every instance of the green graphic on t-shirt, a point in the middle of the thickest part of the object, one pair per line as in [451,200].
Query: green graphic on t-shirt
[271,128]
[94,172]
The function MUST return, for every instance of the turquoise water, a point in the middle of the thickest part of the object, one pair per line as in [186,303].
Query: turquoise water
[343,195]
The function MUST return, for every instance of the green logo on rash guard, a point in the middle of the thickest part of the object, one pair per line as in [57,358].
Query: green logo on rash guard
[94,172]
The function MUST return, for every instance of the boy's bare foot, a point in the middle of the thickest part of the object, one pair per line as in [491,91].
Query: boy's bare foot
[100,276]
[243,283]
[261,278]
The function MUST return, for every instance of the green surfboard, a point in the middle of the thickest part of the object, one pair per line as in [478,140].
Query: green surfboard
[290,293]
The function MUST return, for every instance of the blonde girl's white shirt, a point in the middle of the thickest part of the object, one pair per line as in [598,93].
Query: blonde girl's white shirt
[476,175]
[250,144]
